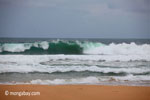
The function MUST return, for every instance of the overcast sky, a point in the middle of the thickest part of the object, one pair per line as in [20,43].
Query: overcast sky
[75,18]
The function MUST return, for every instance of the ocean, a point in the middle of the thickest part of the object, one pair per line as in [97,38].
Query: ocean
[75,61]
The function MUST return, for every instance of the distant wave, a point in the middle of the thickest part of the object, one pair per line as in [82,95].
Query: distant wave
[74,47]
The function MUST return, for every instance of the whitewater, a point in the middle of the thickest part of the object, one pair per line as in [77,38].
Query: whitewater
[75,62]
[75,47]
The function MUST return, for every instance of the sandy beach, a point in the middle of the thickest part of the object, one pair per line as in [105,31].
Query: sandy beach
[74,92]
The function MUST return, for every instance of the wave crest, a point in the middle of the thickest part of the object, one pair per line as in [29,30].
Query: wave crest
[74,47]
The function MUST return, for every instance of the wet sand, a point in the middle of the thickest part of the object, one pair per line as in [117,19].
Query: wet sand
[74,92]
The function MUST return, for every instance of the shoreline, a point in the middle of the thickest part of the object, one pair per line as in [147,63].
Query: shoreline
[126,85]
[76,92]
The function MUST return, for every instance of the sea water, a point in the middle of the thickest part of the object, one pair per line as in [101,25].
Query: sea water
[75,61]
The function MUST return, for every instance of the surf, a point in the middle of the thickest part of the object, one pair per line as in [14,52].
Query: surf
[74,47]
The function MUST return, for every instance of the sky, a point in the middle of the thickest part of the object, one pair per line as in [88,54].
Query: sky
[75,18]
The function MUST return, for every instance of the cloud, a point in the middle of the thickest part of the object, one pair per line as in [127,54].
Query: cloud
[117,7]
[100,10]
[31,3]
[94,7]
[74,16]
[140,6]
[126,5]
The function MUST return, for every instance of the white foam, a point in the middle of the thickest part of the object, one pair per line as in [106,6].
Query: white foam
[131,77]
[88,58]
[109,80]
[44,45]
[87,80]
[50,69]
[119,49]
[93,80]
[14,47]
[21,47]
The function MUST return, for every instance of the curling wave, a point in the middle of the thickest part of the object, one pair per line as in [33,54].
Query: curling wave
[74,47]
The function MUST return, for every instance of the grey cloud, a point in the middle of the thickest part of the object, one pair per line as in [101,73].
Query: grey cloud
[126,5]
[31,3]
[131,5]
[74,17]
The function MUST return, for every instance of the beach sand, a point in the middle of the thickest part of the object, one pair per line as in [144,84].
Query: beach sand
[75,92]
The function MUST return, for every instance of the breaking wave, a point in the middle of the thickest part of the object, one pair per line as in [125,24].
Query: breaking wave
[89,80]
[66,69]
[74,47]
